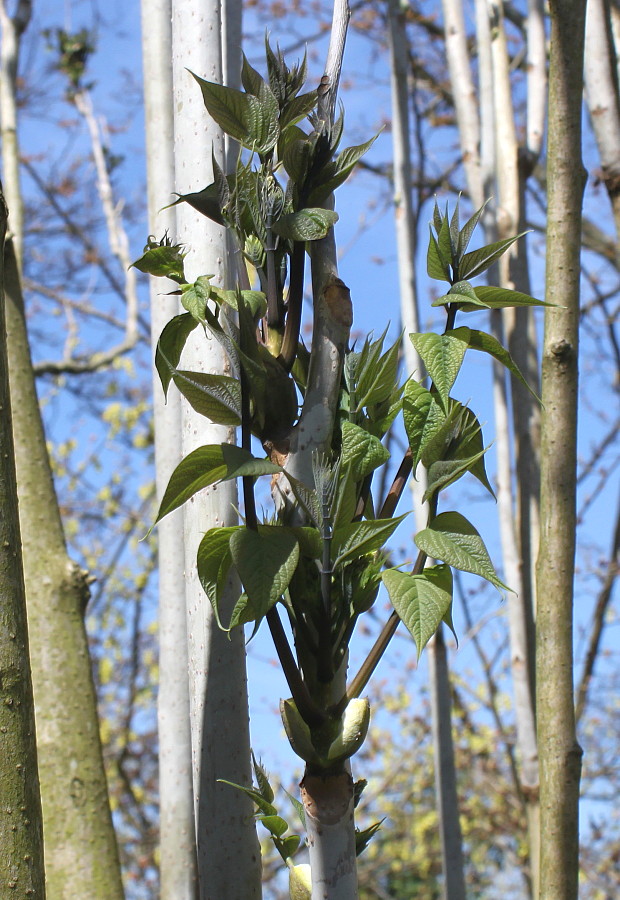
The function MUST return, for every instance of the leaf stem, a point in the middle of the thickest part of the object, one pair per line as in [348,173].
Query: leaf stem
[371,662]
[295,303]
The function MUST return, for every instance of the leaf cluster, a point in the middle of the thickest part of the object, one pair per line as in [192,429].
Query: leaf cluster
[323,565]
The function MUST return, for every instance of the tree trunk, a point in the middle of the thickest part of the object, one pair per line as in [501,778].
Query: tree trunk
[21,829]
[406,240]
[81,857]
[560,754]
[177,838]
[228,850]
[12,28]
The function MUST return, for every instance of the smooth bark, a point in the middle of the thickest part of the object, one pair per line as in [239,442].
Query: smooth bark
[81,856]
[178,868]
[21,828]
[227,846]
[560,754]
[12,28]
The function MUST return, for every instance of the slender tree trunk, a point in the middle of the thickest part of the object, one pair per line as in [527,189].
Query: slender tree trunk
[11,29]
[560,754]
[445,770]
[81,857]
[406,239]
[21,828]
[603,97]
[228,851]
[179,878]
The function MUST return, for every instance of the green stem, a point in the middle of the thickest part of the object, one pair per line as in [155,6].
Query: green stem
[295,303]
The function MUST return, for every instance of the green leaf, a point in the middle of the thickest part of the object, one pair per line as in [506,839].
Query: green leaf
[240,463]
[217,397]
[200,468]
[214,561]
[378,376]
[164,262]
[194,297]
[443,356]
[486,343]
[444,472]
[336,173]
[310,224]
[288,846]
[297,109]
[471,445]
[206,466]
[421,601]
[468,229]
[451,538]
[298,807]
[255,301]
[358,538]
[363,838]
[463,293]
[422,417]
[170,346]
[251,80]
[361,450]
[500,298]
[265,560]
[250,120]
[435,266]
[266,808]
[206,202]
[478,261]
[275,825]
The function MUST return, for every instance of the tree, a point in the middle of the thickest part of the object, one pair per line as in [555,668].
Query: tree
[560,754]
[21,828]
[322,557]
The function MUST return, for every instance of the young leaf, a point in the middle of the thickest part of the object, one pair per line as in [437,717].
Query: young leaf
[217,397]
[421,601]
[462,293]
[422,417]
[379,376]
[170,346]
[200,468]
[478,261]
[310,224]
[252,122]
[358,538]
[444,472]
[443,356]
[163,261]
[275,825]
[435,266]
[214,561]
[266,808]
[297,109]
[265,561]
[206,202]
[468,229]
[194,297]
[206,466]
[336,173]
[451,538]
[362,451]
[486,343]
[499,298]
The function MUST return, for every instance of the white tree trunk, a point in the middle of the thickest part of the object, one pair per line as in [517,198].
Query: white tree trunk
[228,851]
[11,29]
[176,804]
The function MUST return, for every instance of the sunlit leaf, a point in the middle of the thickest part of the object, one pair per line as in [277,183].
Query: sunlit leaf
[451,538]
[421,601]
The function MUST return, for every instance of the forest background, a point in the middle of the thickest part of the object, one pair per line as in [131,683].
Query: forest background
[83,301]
